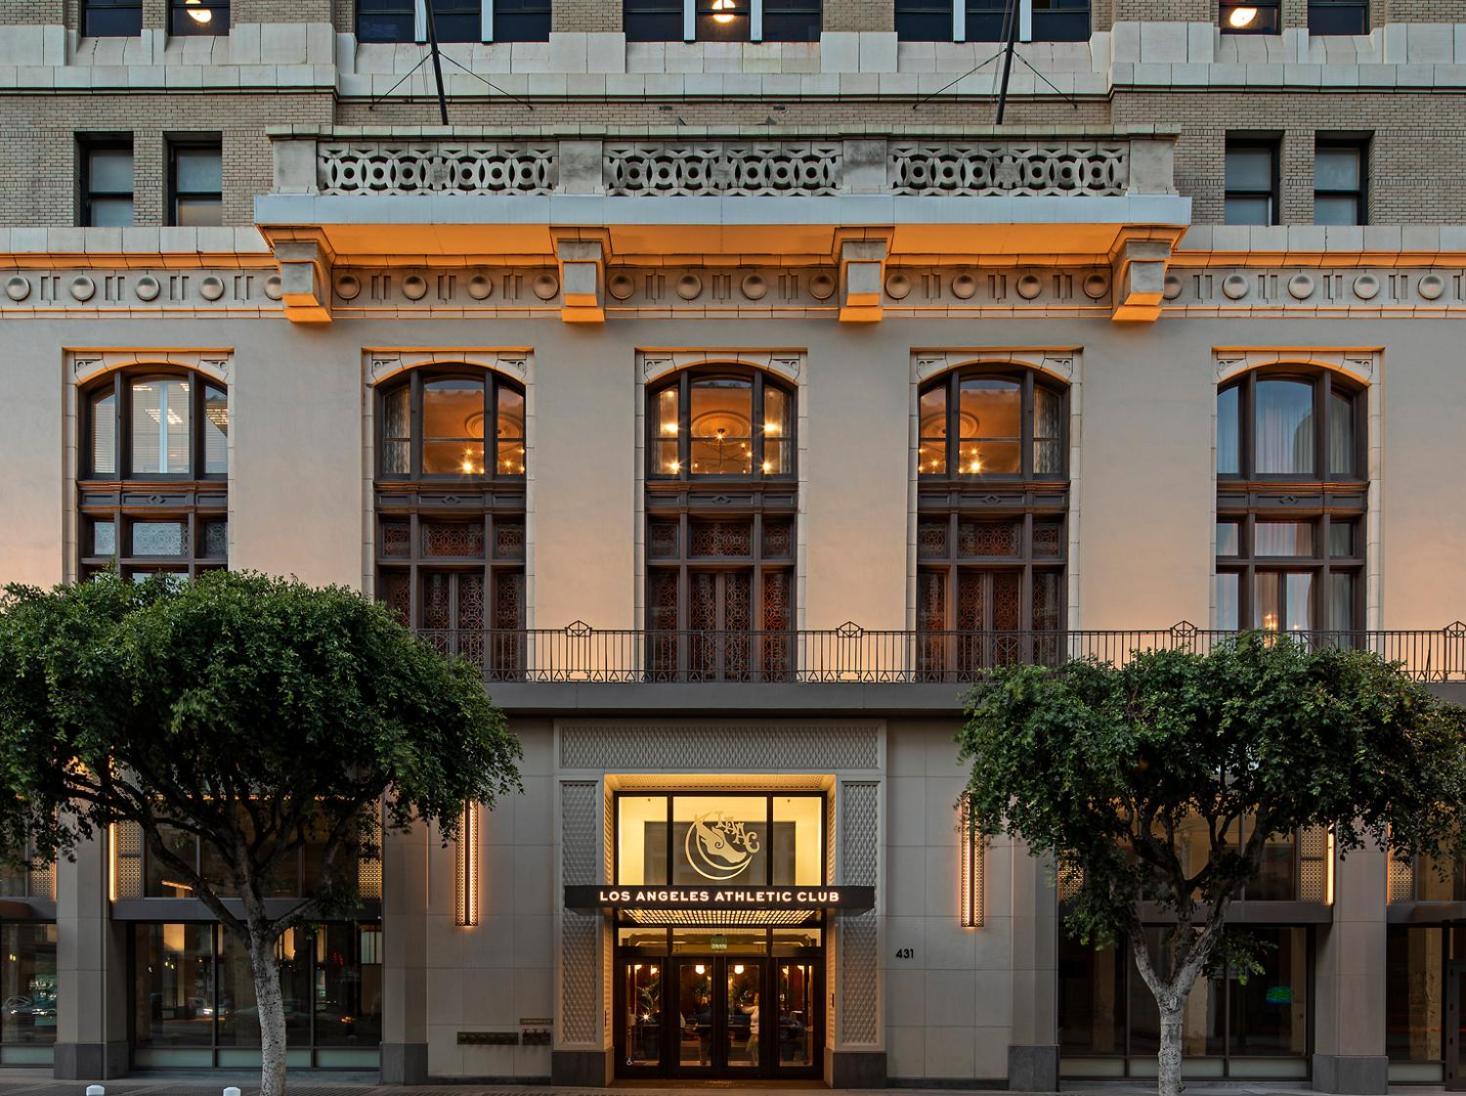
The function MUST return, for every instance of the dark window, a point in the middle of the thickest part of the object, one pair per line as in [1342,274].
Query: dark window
[1251,182]
[198,17]
[385,20]
[458,20]
[1338,17]
[1340,169]
[652,20]
[1417,965]
[1053,20]
[111,18]
[521,20]
[195,183]
[792,20]
[924,20]
[1290,503]
[987,20]
[450,513]
[170,429]
[1257,17]
[105,182]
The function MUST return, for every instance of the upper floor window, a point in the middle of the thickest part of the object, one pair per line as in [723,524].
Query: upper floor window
[1251,179]
[105,182]
[111,18]
[1338,17]
[721,20]
[1250,17]
[1289,426]
[720,425]
[195,182]
[198,17]
[991,424]
[454,426]
[453,20]
[987,20]
[1339,170]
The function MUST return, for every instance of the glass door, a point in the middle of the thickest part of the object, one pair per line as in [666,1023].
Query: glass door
[742,1043]
[641,1015]
[697,1015]
[798,1002]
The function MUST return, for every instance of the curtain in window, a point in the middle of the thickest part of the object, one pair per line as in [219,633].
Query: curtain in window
[1284,428]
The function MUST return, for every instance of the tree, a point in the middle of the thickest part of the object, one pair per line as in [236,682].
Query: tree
[258,715]
[1136,779]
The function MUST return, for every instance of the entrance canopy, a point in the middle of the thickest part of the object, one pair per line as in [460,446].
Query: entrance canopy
[772,905]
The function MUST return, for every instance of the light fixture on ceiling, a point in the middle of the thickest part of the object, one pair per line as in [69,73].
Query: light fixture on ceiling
[1241,18]
[197,12]
[723,12]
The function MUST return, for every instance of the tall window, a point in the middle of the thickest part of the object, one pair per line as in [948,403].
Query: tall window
[450,512]
[111,18]
[992,499]
[453,20]
[1339,171]
[1251,182]
[153,466]
[1338,17]
[198,17]
[720,563]
[987,20]
[1291,497]
[195,182]
[105,181]
[721,20]
[1250,17]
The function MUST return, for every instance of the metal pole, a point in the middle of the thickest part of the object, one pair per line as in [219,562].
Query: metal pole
[1012,27]
[437,61]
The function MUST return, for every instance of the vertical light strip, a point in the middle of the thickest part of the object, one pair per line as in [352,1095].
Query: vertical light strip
[466,867]
[973,881]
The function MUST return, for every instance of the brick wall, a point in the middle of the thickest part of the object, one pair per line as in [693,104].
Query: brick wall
[284,11]
[30,13]
[590,16]
[1418,11]
[858,15]
[38,176]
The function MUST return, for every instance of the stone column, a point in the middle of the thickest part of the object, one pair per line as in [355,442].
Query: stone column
[1349,979]
[91,971]
[404,957]
[1033,1050]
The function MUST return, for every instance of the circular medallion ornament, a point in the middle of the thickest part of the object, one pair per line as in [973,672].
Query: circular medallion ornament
[718,847]
[754,287]
[1173,287]
[621,286]
[898,286]
[1234,286]
[211,288]
[1366,286]
[348,287]
[1432,286]
[1096,286]
[147,288]
[414,287]
[822,287]
[689,287]
[545,286]
[18,288]
[83,288]
[1300,287]
[480,287]
[964,286]
[1029,286]
[273,289]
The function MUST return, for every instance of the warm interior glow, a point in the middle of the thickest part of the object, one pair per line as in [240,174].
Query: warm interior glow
[722,11]
[197,14]
[700,969]
[1241,17]
[737,968]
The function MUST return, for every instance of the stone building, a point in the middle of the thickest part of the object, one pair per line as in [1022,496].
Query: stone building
[732,389]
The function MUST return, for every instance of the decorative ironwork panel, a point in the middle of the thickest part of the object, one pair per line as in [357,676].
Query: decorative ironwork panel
[1313,865]
[931,539]
[581,805]
[394,589]
[369,868]
[1400,885]
[508,539]
[723,167]
[778,541]
[127,859]
[435,600]
[859,958]
[396,539]
[661,540]
[1048,540]
[989,538]
[761,747]
[453,539]
[722,538]
[435,167]
[1009,168]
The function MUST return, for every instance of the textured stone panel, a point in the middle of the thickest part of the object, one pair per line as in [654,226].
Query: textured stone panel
[752,747]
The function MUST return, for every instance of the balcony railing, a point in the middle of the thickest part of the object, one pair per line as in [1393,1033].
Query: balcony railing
[852,654]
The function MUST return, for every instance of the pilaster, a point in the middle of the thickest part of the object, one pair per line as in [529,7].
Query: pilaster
[91,968]
[1349,979]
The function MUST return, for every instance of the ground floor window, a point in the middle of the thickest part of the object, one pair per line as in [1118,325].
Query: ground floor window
[27,992]
[194,1000]
[1416,977]
[1257,1026]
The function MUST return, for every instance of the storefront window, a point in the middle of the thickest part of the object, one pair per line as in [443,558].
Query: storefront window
[27,986]
[1415,993]
[1268,1013]
[1091,998]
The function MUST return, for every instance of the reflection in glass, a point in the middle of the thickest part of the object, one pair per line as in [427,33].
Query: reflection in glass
[511,431]
[722,426]
[1284,426]
[668,428]
[104,433]
[1283,601]
[990,426]
[216,431]
[453,427]
[104,538]
[397,432]
[239,1015]
[173,989]
[1229,444]
[1277,877]
[695,1013]
[160,426]
[642,1021]
[348,985]
[1341,435]
[741,1032]
[1341,538]
[28,982]
[1228,538]
[1228,585]
[797,1015]
[932,416]
[1269,1013]
[1091,998]
[161,881]
[1415,992]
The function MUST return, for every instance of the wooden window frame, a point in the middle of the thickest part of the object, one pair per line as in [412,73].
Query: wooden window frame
[417,378]
[683,381]
[1027,381]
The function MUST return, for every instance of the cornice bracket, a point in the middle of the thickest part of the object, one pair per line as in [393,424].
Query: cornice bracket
[862,259]
[582,256]
[305,279]
[1138,275]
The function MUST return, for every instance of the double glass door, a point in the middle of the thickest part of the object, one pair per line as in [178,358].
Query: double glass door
[719,1016]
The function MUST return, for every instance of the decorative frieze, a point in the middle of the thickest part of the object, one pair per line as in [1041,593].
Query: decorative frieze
[1356,289]
[139,289]
[1035,288]
[435,167]
[702,168]
[1010,168]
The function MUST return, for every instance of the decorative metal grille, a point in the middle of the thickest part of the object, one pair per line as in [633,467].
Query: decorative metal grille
[458,539]
[1009,168]
[723,167]
[762,747]
[1314,865]
[859,958]
[466,867]
[395,167]
[973,882]
[580,805]
[369,868]
[127,860]
[1401,880]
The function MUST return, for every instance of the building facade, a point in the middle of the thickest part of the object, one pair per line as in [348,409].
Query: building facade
[725,384]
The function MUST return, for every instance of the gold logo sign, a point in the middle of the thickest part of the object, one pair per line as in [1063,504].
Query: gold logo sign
[719,847]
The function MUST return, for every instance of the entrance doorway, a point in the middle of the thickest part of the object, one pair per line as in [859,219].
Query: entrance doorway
[719,1016]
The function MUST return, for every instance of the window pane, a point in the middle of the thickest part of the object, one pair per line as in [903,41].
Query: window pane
[161,881]
[989,408]
[111,212]
[1229,538]
[1341,601]
[160,426]
[1249,169]
[1300,602]
[109,171]
[173,991]
[1341,538]
[1267,601]
[1249,211]
[1269,1012]
[348,985]
[198,212]
[722,427]
[1229,615]
[1336,169]
[216,539]
[511,412]
[641,839]
[1283,538]
[199,170]
[1415,993]
[778,431]
[932,419]
[1342,459]
[1091,998]
[799,839]
[28,982]
[1284,427]
[453,427]
[216,431]
[719,838]
[1335,210]
[158,538]
[1229,442]
[104,434]
[1048,428]
[396,432]
[104,538]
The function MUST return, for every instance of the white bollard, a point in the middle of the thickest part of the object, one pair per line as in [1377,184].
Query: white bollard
[96,1090]
[231,1091]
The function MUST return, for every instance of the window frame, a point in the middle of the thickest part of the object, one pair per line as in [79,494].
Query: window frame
[88,6]
[1359,146]
[193,143]
[1272,25]
[694,20]
[759,380]
[178,16]
[1028,380]
[492,380]
[490,19]
[1324,382]
[1321,7]
[86,145]
[1273,147]
[1031,20]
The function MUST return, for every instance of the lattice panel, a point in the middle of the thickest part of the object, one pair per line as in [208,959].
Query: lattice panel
[43,881]
[1401,880]
[752,747]
[1313,865]
[581,812]
[722,167]
[860,841]
[127,860]
[369,868]
[394,167]
[1009,167]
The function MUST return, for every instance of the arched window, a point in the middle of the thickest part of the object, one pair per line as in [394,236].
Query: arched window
[992,497]
[450,511]
[153,469]
[720,564]
[1291,497]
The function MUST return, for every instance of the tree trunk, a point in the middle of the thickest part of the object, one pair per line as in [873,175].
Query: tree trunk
[1168,1082]
[271,1007]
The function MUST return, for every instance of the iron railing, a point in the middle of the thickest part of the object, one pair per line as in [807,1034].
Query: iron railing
[850,653]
